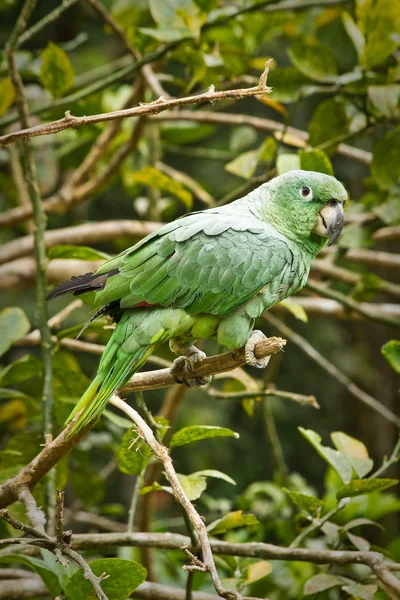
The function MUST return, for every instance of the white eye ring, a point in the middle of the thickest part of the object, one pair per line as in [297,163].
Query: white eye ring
[306,193]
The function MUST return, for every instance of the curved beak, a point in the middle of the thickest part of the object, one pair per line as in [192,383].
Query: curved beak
[330,221]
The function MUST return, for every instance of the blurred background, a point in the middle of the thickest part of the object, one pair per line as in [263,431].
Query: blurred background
[334,108]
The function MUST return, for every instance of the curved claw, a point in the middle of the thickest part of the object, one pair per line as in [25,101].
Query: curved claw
[182,364]
[255,338]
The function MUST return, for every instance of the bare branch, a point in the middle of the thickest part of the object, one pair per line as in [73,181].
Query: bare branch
[327,366]
[259,550]
[387,233]
[29,476]
[362,309]
[365,256]
[87,233]
[293,137]
[162,104]
[161,453]
[298,398]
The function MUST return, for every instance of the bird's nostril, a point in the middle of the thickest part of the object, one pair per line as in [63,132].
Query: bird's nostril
[333,202]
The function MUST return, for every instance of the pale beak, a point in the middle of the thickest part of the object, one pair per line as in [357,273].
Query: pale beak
[330,221]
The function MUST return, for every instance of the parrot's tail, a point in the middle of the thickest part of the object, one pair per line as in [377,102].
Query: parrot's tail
[104,386]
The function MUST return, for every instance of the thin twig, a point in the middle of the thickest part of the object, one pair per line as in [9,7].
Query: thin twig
[298,398]
[351,304]
[58,547]
[161,453]
[49,18]
[325,364]
[162,104]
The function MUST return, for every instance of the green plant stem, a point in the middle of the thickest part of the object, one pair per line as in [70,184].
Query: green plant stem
[393,459]
[49,18]
[325,364]
[274,442]
[351,304]
[318,523]
[134,501]
[40,220]
[148,415]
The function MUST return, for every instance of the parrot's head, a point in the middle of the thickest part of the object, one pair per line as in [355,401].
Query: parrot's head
[307,205]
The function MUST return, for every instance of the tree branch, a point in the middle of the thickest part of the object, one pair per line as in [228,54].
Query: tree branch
[162,104]
[30,475]
[59,548]
[87,233]
[327,366]
[161,454]
[293,137]
[349,303]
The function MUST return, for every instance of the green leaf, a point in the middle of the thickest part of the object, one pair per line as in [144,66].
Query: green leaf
[154,178]
[245,164]
[8,394]
[314,61]
[359,522]
[49,578]
[329,121]
[242,138]
[21,449]
[186,132]
[7,94]
[78,252]
[52,563]
[354,33]
[321,582]
[355,452]
[385,166]
[389,211]
[288,84]
[195,433]
[176,19]
[310,504]
[359,542]
[215,474]
[336,459]
[232,520]
[257,571]
[391,351]
[358,487]
[361,591]
[315,160]
[268,149]
[133,453]
[123,576]
[14,325]
[287,162]
[193,485]
[378,48]
[385,98]
[22,369]
[56,73]
[296,309]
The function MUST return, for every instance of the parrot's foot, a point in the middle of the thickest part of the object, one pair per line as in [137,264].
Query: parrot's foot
[255,338]
[188,363]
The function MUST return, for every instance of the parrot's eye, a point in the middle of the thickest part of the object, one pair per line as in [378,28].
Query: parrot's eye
[306,192]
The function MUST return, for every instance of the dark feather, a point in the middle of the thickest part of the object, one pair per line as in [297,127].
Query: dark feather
[81,284]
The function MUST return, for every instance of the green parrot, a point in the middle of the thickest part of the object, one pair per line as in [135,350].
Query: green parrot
[208,274]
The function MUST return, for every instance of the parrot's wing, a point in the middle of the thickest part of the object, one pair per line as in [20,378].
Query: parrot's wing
[206,262]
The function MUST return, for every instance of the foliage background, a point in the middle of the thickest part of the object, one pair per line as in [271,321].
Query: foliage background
[335,74]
